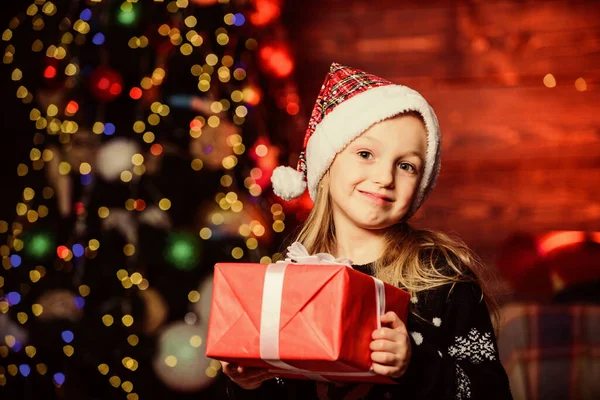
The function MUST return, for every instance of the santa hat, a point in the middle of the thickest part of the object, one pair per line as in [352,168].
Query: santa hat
[349,103]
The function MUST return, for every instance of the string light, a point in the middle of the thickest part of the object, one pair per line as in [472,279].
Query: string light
[549,81]
[58,119]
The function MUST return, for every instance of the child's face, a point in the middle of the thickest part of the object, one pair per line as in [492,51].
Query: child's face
[373,180]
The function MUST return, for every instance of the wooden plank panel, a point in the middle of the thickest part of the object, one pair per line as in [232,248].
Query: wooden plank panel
[508,42]
[517,156]
[527,187]
[486,205]
[534,15]
[517,122]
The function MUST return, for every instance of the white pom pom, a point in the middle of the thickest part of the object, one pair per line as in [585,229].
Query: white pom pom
[114,157]
[288,183]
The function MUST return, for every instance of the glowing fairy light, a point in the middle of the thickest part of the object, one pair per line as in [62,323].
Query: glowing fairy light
[62,120]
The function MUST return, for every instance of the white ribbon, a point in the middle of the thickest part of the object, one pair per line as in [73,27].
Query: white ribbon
[297,253]
[271,309]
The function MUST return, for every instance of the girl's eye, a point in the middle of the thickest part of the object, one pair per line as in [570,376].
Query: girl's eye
[408,167]
[365,154]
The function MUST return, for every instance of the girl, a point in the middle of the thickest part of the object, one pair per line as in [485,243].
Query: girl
[372,157]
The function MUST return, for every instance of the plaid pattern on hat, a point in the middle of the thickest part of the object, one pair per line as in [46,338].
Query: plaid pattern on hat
[340,84]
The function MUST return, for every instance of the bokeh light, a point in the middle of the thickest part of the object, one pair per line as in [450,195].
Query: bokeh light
[78,106]
[182,251]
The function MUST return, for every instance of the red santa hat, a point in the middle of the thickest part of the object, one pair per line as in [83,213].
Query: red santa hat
[349,103]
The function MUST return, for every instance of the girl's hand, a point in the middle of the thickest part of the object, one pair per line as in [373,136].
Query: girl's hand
[246,377]
[391,348]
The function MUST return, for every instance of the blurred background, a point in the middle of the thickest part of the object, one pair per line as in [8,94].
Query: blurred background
[138,139]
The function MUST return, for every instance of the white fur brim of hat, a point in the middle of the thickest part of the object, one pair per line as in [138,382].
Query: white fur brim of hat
[346,122]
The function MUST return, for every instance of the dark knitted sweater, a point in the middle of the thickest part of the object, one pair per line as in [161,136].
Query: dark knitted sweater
[454,356]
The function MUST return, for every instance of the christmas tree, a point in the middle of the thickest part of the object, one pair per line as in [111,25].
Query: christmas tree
[147,135]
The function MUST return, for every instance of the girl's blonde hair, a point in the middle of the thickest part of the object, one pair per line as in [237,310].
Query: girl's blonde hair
[412,259]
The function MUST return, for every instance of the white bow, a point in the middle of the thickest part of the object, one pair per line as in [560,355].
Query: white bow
[297,253]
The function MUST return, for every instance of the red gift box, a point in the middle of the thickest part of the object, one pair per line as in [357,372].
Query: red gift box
[316,320]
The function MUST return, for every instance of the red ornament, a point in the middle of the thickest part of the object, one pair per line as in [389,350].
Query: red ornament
[156,149]
[139,205]
[106,84]
[103,84]
[79,208]
[266,11]
[292,103]
[135,93]
[50,72]
[115,89]
[292,108]
[71,108]
[62,251]
[196,125]
[252,95]
[276,60]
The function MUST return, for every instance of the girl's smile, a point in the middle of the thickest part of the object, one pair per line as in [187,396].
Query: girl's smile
[376,198]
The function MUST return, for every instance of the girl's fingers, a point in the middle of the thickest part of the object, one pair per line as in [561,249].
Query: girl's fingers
[259,378]
[246,377]
[385,345]
[385,370]
[229,368]
[251,374]
[254,382]
[240,373]
[391,318]
[384,358]
[393,335]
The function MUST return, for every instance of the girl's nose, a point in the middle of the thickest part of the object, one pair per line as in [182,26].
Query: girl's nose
[383,175]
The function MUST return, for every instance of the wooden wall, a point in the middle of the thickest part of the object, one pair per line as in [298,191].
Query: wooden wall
[517,155]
